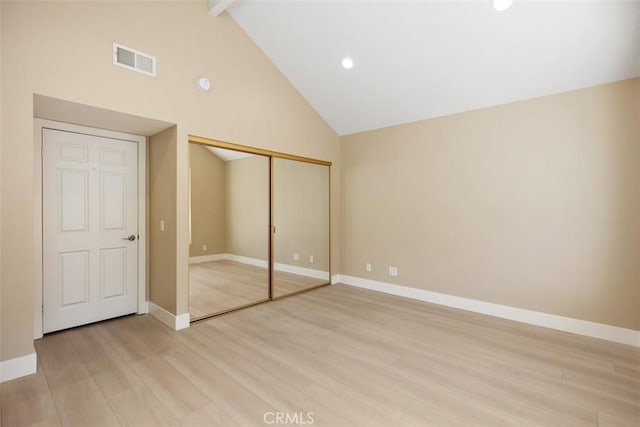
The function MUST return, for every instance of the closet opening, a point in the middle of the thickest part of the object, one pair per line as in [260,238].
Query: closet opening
[258,226]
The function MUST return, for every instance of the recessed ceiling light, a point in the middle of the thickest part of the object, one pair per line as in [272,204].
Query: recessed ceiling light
[501,5]
[347,63]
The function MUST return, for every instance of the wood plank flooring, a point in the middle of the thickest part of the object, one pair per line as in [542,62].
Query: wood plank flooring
[218,286]
[346,355]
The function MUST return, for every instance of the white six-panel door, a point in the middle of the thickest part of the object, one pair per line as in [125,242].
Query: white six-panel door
[90,211]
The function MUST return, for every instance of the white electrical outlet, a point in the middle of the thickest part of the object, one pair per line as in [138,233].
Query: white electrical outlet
[204,247]
[296,256]
[162,225]
[393,271]
[368,267]
[311,259]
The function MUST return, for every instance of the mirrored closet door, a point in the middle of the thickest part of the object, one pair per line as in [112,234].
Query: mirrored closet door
[259,226]
[301,226]
[229,251]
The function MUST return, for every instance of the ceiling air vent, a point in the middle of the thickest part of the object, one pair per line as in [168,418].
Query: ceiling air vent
[134,60]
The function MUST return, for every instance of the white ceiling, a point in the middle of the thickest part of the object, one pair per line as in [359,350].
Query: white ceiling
[227,155]
[421,59]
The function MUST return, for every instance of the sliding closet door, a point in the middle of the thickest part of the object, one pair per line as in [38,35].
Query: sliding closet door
[259,226]
[229,226]
[300,209]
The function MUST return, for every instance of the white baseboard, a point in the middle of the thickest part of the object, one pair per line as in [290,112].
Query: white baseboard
[552,321]
[247,260]
[183,321]
[171,320]
[207,258]
[18,367]
[143,307]
[302,271]
[335,279]
[287,268]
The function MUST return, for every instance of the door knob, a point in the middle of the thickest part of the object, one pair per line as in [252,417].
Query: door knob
[131,237]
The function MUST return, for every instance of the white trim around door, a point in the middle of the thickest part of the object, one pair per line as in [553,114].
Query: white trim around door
[39,124]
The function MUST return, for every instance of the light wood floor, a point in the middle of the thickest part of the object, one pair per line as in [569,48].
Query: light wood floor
[217,286]
[350,356]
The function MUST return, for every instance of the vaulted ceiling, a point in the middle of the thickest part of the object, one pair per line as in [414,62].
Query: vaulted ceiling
[421,59]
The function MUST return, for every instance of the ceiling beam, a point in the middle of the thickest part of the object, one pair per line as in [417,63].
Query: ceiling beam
[216,7]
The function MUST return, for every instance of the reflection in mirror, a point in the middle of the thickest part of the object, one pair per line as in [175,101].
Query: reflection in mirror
[229,229]
[301,220]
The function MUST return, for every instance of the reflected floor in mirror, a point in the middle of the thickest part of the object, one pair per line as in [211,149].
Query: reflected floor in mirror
[217,286]
[289,283]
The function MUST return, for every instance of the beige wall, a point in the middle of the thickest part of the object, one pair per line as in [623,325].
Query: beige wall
[301,213]
[2,315]
[75,64]
[534,204]
[230,208]
[207,202]
[247,207]
[162,244]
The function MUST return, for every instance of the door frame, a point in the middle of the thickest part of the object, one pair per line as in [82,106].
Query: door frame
[38,283]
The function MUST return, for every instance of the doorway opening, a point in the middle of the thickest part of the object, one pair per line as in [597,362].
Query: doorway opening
[105,192]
